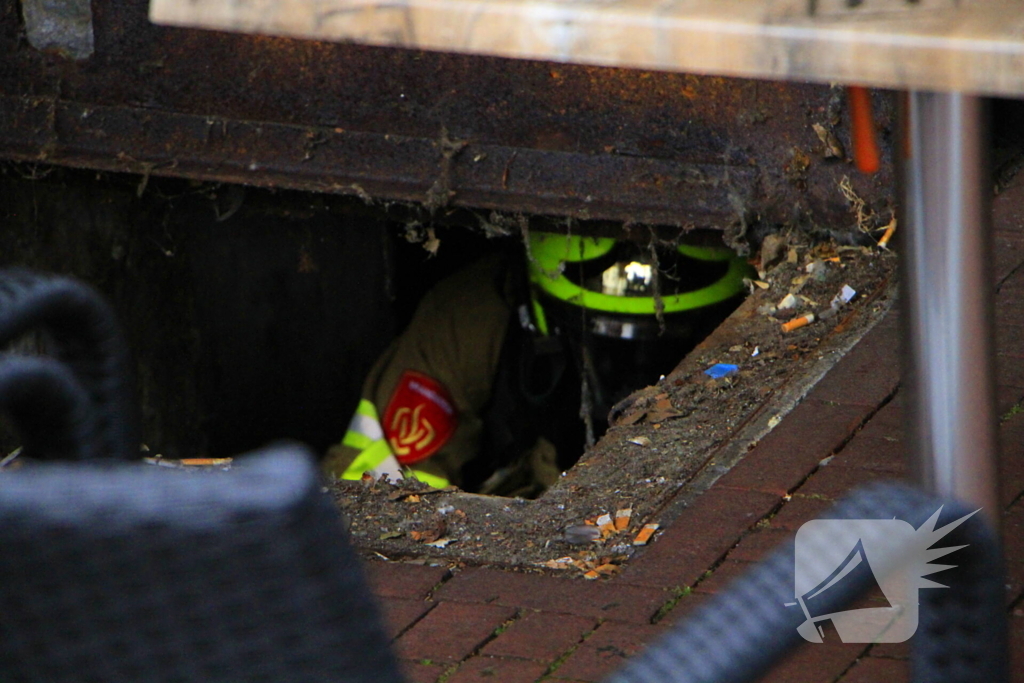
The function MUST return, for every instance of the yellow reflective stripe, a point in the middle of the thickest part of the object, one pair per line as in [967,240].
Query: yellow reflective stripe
[430,479]
[368,459]
[368,409]
[538,315]
[356,440]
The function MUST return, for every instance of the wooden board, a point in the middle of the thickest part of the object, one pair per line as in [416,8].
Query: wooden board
[974,47]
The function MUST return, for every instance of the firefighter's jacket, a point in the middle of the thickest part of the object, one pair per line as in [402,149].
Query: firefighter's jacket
[423,401]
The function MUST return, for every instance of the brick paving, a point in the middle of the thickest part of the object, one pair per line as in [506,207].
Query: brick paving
[485,624]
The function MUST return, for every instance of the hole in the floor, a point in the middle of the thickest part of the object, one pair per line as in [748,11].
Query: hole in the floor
[255,315]
[589,320]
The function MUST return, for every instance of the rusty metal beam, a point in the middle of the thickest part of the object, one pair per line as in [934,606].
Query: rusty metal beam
[445,129]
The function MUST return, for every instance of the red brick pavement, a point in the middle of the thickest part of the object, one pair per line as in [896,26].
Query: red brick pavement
[484,624]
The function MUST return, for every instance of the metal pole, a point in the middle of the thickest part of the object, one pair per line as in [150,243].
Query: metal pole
[948,289]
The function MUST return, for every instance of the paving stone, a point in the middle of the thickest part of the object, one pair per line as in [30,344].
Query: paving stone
[683,608]
[592,664]
[451,631]
[1010,339]
[889,422]
[701,535]
[815,663]
[1015,633]
[1012,525]
[1010,370]
[631,638]
[876,669]
[601,599]
[783,458]
[1009,308]
[873,453]
[1014,282]
[608,648]
[1011,459]
[891,650]
[798,510]
[1007,397]
[723,575]
[758,544]
[401,613]
[416,672]
[540,636]
[836,482]
[402,580]
[1009,252]
[867,374]
[497,670]
[1007,212]
[1014,583]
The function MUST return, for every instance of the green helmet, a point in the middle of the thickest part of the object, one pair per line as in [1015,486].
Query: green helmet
[618,281]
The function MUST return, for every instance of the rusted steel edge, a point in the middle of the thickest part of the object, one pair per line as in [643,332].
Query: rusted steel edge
[390,167]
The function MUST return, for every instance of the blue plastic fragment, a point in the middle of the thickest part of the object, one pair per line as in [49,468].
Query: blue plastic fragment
[722,370]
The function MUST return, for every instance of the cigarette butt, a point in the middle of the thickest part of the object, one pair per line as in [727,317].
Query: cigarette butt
[591,575]
[645,534]
[797,323]
[622,518]
[887,235]
[604,523]
[205,461]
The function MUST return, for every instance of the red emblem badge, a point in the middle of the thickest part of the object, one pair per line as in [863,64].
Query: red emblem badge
[420,417]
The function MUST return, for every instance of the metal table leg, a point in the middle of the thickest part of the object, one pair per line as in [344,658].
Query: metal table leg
[948,299]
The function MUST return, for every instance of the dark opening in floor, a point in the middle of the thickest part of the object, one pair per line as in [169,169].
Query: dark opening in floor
[255,314]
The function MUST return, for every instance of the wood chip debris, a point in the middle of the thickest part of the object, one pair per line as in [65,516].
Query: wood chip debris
[833,148]
[788,301]
[433,530]
[760,284]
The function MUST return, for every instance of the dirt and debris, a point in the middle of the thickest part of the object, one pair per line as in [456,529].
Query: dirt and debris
[664,439]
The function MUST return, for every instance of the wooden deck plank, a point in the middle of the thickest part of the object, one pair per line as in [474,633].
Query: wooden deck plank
[975,47]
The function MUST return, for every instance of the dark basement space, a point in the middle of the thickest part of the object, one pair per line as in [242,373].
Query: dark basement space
[254,314]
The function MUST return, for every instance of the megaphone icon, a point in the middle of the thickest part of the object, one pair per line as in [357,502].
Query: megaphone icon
[856,569]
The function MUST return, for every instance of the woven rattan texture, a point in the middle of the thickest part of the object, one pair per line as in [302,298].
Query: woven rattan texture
[130,572]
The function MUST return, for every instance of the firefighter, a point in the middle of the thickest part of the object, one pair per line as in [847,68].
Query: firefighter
[484,387]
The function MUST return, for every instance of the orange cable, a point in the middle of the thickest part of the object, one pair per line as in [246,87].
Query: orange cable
[862,125]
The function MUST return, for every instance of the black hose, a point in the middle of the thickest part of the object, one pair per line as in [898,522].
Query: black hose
[49,408]
[87,339]
[741,632]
